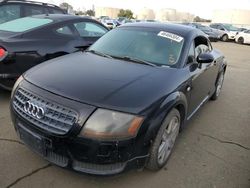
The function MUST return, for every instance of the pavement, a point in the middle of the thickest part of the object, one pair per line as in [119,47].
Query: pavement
[212,151]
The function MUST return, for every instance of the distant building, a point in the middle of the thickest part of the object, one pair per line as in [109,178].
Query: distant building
[166,15]
[172,15]
[106,11]
[146,14]
[233,16]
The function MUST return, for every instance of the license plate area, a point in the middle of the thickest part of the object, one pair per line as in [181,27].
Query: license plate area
[32,140]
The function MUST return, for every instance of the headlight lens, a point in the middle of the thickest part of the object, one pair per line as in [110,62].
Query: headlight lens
[19,80]
[111,125]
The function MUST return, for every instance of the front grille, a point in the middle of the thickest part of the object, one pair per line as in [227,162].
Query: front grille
[57,119]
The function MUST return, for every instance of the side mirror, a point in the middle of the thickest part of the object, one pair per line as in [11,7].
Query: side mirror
[222,29]
[205,58]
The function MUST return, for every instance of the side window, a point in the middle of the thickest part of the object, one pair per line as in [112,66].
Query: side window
[9,12]
[213,26]
[201,45]
[55,11]
[90,29]
[33,10]
[65,31]
[210,48]
[221,28]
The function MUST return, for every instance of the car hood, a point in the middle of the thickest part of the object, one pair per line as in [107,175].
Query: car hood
[104,82]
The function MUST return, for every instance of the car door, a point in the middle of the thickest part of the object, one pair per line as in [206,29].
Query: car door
[203,76]
[89,32]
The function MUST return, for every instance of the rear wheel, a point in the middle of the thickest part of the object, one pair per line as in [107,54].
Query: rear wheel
[219,85]
[224,38]
[164,142]
[240,40]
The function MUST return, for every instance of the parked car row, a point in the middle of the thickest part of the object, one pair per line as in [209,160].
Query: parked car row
[223,32]
[112,23]
[213,34]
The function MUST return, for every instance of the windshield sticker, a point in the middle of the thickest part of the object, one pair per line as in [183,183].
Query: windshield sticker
[170,36]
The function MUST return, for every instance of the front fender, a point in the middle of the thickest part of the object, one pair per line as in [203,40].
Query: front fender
[175,100]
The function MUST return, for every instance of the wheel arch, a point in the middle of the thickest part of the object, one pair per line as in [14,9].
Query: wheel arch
[176,100]
[225,34]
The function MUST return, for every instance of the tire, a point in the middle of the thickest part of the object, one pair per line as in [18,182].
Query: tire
[164,141]
[240,40]
[218,87]
[224,38]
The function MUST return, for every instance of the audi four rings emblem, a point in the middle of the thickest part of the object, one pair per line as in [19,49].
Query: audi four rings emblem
[34,109]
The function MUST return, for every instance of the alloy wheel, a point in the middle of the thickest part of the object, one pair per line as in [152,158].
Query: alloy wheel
[219,84]
[168,139]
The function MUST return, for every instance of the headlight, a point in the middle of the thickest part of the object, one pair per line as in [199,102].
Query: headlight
[111,125]
[19,80]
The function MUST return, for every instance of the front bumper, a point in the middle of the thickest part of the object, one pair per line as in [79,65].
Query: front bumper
[82,155]
[77,153]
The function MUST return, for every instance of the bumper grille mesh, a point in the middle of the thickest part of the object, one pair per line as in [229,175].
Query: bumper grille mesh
[107,169]
[57,119]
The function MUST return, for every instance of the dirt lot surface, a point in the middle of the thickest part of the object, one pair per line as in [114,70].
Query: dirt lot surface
[212,151]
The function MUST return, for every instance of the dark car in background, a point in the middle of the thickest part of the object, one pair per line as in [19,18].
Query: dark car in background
[26,42]
[14,9]
[213,34]
[121,103]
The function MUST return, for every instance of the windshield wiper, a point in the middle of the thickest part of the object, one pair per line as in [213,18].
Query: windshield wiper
[127,58]
[99,53]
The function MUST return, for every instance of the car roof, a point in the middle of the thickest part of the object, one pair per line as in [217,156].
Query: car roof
[61,17]
[29,2]
[178,29]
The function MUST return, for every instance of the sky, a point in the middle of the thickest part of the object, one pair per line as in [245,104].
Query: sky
[200,8]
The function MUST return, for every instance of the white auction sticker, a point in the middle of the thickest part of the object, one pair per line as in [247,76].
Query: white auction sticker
[170,36]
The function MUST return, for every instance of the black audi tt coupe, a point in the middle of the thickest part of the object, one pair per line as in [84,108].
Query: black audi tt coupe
[122,102]
[28,41]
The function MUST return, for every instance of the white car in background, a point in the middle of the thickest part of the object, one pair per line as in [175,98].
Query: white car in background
[229,29]
[243,37]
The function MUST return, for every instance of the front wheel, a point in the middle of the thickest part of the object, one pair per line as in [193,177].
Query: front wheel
[224,38]
[164,142]
[218,87]
[241,40]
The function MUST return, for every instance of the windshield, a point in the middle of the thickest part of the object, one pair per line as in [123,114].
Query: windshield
[231,27]
[159,48]
[24,24]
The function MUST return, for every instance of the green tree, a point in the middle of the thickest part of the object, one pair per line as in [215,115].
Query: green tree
[90,13]
[79,12]
[125,13]
[198,19]
[66,6]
